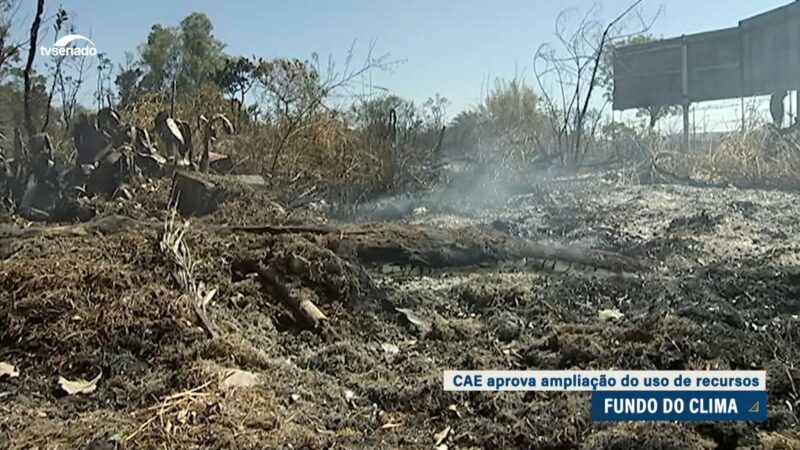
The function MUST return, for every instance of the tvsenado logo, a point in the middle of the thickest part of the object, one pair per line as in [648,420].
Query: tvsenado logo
[62,47]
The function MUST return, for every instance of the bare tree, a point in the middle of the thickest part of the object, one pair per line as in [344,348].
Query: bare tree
[299,89]
[69,85]
[68,76]
[236,77]
[61,18]
[37,22]
[104,94]
[574,67]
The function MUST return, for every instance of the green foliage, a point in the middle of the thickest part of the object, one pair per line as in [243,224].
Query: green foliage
[393,118]
[606,70]
[374,117]
[11,97]
[236,76]
[127,82]
[9,49]
[290,88]
[466,131]
[188,55]
[199,52]
[159,58]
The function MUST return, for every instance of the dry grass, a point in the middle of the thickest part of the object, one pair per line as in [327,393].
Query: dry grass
[748,157]
[177,252]
[206,101]
[325,157]
[308,152]
[179,404]
[761,157]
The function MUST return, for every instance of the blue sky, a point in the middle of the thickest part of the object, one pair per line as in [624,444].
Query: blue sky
[449,47]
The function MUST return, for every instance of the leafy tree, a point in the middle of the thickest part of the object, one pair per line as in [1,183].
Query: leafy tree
[466,131]
[9,47]
[188,55]
[159,58]
[127,83]
[11,96]
[199,52]
[508,121]
[236,78]
[290,86]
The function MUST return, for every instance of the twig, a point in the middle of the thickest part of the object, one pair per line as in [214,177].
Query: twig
[189,392]
[173,247]
[287,229]
[167,404]
[141,428]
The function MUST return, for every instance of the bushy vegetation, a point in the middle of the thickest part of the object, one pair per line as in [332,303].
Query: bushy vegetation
[313,127]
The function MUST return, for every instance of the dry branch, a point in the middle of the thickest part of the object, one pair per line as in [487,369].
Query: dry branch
[387,243]
[287,229]
[117,224]
[303,309]
[441,249]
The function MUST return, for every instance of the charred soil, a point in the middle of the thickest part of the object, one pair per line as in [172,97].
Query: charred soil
[718,289]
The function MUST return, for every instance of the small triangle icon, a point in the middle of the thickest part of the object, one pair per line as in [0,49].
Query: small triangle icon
[754,408]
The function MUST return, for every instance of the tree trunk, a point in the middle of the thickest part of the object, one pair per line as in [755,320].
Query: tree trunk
[37,22]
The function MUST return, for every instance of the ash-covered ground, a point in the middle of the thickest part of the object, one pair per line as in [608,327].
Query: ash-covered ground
[719,290]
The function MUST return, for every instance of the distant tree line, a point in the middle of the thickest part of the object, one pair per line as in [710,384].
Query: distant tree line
[306,116]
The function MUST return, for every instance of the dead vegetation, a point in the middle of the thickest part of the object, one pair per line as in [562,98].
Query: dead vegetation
[767,159]
[318,345]
[173,273]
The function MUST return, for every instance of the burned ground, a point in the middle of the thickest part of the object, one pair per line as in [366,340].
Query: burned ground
[719,289]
